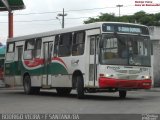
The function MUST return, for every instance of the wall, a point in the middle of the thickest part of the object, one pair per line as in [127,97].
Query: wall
[155,61]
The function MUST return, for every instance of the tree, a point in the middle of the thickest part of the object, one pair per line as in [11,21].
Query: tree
[140,17]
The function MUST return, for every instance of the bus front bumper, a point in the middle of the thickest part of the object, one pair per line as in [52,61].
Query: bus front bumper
[129,84]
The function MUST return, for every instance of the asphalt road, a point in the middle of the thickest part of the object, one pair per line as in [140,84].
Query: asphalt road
[15,101]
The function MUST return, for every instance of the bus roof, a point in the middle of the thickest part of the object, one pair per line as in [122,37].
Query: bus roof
[60,31]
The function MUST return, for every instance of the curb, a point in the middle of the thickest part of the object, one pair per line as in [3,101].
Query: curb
[153,90]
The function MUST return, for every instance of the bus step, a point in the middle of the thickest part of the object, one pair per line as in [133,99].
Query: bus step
[46,86]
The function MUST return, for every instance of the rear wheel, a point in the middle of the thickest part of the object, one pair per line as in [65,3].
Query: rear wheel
[80,87]
[27,85]
[122,94]
[28,89]
[63,91]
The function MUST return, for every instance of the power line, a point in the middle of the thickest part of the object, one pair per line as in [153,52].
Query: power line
[56,19]
[47,20]
[78,10]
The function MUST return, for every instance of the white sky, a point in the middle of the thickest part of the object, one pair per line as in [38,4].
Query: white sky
[41,6]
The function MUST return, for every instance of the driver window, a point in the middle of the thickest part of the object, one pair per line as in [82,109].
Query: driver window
[111,48]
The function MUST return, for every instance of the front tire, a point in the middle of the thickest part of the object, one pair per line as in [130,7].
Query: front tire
[122,94]
[80,87]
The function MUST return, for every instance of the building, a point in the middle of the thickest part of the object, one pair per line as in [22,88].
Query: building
[155,60]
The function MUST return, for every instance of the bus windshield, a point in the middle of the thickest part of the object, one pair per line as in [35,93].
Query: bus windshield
[125,49]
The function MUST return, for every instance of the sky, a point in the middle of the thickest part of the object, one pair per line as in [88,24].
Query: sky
[40,15]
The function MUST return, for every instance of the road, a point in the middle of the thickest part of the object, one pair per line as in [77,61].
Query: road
[15,101]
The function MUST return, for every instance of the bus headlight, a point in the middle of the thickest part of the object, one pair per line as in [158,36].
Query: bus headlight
[108,75]
[146,77]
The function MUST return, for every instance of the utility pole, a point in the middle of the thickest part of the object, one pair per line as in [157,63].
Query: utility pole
[119,9]
[62,15]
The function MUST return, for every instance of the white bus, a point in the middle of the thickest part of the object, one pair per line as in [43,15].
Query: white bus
[97,57]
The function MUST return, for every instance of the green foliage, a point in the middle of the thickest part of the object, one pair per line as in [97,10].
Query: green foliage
[140,17]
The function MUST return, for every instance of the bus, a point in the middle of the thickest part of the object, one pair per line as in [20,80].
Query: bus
[96,57]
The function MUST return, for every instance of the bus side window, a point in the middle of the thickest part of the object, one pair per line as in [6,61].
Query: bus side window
[78,43]
[10,51]
[55,54]
[29,49]
[10,47]
[38,47]
[65,45]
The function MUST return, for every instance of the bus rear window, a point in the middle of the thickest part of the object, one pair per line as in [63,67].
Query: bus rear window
[10,47]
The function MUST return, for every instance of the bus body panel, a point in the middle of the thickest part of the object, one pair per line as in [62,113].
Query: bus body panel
[115,76]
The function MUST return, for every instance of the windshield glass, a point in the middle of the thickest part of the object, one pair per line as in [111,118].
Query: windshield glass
[125,50]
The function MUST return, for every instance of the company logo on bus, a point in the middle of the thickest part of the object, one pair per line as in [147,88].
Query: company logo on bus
[113,67]
[143,69]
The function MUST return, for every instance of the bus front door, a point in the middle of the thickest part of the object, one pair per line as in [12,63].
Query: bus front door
[93,61]
[47,54]
[18,65]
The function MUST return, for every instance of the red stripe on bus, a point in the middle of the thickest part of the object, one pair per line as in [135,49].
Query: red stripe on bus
[34,63]
[60,60]
[120,83]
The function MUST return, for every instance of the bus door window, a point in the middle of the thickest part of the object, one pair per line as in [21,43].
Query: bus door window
[93,59]
[48,52]
[38,48]
[55,52]
[19,51]
[94,45]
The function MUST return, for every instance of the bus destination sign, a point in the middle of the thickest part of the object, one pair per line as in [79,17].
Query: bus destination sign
[123,28]
[129,29]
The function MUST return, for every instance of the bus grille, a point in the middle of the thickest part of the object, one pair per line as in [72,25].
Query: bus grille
[127,77]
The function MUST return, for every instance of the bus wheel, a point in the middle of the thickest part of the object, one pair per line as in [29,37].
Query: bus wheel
[63,91]
[80,87]
[122,94]
[27,85]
